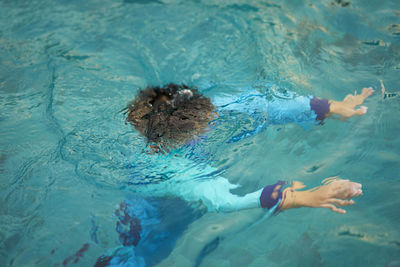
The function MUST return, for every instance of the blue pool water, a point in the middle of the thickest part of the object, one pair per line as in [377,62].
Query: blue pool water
[68,159]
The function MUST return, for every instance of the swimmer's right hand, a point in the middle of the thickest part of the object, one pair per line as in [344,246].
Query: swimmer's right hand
[348,107]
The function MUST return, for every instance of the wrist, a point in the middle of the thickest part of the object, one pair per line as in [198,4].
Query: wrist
[271,195]
[333,107]
[296,199]
[304,199]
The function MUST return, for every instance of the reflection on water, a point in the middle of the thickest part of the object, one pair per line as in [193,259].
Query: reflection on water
[67,158]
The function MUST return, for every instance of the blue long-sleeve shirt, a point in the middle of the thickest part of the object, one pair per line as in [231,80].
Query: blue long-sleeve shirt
[258,112]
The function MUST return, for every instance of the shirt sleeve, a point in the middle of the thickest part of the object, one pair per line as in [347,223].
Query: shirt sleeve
[193,182]
[252,112]
[217,196]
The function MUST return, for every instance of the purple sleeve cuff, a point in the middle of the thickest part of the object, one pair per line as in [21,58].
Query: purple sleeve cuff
[266,199]
[321,107]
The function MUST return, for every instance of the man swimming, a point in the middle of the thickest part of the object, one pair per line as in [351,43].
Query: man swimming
[174,115]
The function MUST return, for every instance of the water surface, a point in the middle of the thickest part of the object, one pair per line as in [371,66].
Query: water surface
[68,68]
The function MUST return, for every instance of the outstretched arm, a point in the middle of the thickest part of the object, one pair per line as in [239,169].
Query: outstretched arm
[211,227]
[333,194]
[348,107]
[198,182]
[216,196]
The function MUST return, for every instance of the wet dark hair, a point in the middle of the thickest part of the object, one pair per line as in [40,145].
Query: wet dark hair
[171,115]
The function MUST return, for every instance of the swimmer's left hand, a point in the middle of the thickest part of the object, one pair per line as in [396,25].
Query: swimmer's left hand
[334,193]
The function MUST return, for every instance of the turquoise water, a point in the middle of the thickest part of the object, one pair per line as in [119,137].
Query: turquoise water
[68,68]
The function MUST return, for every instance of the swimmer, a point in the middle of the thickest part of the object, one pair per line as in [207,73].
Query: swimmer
[171,116]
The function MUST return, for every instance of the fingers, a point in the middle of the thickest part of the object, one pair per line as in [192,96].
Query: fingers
[341,202]
[333,208]
[355,189]
[367,91]
[347,190]
[342,189]
[361,111]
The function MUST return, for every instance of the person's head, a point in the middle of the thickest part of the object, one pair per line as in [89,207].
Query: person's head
[171,115]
